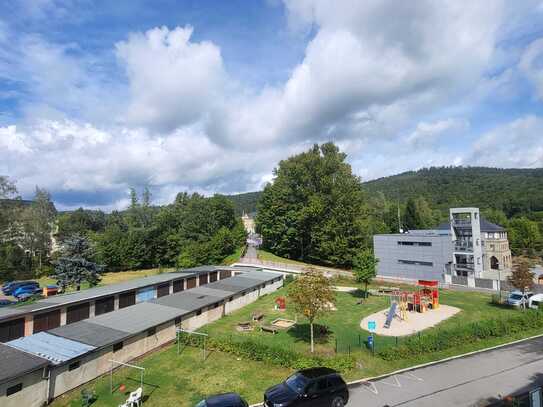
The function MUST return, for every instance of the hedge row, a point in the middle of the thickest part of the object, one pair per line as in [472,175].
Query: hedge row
[443,339]
[253,350]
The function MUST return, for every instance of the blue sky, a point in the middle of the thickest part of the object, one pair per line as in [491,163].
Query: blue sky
[208,96]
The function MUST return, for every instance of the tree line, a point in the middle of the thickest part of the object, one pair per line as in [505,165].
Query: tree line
[316,210]
[193,230]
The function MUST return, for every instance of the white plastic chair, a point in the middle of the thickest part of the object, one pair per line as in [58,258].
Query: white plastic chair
[134,399]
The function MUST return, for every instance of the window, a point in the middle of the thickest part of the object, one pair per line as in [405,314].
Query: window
[14,389]
[177,321]
[416,263]
[117,347]
[74,365]
[151,331]
[404,243]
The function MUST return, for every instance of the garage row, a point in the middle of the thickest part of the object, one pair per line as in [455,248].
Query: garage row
[52,312]
[44,365]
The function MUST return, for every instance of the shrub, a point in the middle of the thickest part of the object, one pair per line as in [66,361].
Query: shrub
[443,339]
[253,350]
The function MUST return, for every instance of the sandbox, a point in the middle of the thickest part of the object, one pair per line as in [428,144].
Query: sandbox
[416,321]
[283,323]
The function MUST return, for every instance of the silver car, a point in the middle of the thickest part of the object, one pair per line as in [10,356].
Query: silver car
[518,299]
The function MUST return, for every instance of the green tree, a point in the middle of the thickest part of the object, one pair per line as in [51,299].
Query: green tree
[75,265]
[521,277]
[364,268]
[312,295]
[524,235]
[313,209]
[418,214]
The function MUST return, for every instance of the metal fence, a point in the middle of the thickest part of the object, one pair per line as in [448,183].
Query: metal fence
[484,283]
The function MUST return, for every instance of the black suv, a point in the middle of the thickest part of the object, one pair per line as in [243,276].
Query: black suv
[317,387]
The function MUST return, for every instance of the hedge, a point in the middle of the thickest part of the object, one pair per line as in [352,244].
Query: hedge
[253,350]
[443,339]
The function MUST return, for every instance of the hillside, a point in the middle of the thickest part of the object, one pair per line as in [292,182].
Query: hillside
[512,190]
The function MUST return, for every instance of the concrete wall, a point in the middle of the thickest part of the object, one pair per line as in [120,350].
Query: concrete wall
[33,394]
[270,288]
[98,363]
[389,253]
[193,321]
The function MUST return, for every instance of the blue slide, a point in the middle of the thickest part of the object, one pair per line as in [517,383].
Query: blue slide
[391,313]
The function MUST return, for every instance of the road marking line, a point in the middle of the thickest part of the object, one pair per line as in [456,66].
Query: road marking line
[411,376]
[397,384]
[370,386]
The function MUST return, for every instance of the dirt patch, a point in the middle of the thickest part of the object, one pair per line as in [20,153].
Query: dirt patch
[415,322]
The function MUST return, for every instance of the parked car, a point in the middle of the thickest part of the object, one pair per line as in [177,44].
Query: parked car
[536,301]
[316,387]
[5,303]
[518,299]
[9,288]
[26,289]
[223,400]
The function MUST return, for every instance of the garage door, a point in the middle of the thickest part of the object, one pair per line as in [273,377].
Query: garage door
[77,313]
[127,299]
[146,294]
[203,279]
[12,330]
[212,276]
[46,321]
[162,290]
[226,274]
[104,305]
[177,286]
[191,282]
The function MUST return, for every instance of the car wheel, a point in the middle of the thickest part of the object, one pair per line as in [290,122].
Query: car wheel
[338,402]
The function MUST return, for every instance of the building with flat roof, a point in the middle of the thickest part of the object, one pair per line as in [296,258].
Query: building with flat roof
[466,246]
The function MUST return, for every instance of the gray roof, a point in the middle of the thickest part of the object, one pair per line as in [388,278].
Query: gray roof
[211,291]
[96,292]
[187,301]
[16,363]
[137,318]
[486,226]
[53,348]
[89,333]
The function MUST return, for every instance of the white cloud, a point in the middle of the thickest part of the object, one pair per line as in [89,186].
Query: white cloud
[531,64]
[173,80]
[429,132]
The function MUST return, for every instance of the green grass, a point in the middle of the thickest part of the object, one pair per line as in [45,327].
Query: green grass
[233,258]
[172,380]
[267,256]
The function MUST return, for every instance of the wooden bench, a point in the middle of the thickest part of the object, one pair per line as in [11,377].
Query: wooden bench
[271,329]
[244,326]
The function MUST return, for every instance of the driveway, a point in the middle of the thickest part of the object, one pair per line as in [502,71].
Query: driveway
[469,381]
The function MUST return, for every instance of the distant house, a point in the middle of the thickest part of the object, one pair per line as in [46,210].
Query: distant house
[468,245]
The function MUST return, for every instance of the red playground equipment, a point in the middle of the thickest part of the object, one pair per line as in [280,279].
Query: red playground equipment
[281,303]
[425,297]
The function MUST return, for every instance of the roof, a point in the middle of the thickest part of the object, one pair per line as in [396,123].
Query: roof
[486,226]
[102,291]
[221,400]
[15,363]
[89,333]
[315,372]
[53,348]
[187,301]
[137,318]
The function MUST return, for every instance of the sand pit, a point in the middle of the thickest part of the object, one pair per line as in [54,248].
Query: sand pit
[416,321]
[283,323]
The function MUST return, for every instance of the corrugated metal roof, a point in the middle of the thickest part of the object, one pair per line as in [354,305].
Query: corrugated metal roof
[137,318]
[53,348]
[15,363]
[89,333]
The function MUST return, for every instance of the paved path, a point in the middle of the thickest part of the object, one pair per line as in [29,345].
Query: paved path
[470,381]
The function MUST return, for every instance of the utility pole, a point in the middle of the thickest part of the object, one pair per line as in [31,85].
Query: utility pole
[399,219]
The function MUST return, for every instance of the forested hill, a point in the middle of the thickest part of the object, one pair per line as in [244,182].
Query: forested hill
[511,190]
[245,202]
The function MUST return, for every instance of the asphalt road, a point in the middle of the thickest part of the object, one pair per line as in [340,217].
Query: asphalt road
[469,381]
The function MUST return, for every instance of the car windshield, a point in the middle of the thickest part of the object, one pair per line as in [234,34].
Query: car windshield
[297,383]
[516,296]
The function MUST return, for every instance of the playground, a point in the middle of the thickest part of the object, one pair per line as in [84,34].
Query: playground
[410,311]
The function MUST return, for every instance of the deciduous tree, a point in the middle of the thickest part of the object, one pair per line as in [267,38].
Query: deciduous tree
[521,277]
[312,295]
[364,267]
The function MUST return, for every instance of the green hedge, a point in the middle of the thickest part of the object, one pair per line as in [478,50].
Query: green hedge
[253,350]
[443,339]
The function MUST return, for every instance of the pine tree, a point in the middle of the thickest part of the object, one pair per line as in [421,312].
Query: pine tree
[75,266]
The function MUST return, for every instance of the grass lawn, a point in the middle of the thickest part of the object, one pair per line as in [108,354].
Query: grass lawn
[267,256]
[233,258]
[172,380]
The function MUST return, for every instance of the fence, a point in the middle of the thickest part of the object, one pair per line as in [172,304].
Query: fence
[484,283]
[460,280]
[349,344]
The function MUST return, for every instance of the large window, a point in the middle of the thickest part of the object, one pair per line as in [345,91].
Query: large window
[416,263]
[407,243]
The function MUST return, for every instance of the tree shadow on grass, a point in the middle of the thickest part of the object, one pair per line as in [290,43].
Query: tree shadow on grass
[302,333]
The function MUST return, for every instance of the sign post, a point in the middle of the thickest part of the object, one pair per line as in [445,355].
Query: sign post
[371,340]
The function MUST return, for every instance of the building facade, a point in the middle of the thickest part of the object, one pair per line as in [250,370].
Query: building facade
[467,245]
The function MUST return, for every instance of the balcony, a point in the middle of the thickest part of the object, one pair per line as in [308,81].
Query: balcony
[463,248]
[465,266]
[461,223]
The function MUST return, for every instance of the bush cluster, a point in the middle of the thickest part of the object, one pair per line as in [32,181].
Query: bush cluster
[253,350]
[443,339]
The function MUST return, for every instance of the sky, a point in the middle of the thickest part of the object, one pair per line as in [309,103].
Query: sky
[99,96]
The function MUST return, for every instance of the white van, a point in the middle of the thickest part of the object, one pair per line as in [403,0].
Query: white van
[536,301]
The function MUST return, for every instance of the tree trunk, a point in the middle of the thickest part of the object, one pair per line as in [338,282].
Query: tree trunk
[366,291]
[312,345]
